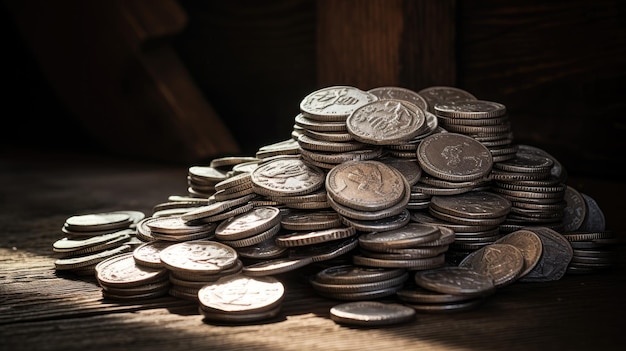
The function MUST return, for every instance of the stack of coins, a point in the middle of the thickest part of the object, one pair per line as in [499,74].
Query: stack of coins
[585,229]
[444,94]
[483,120]
[367,190]
[251,228]
[351,282]
[407,149]
[201,180]
[323,131]
[121,278]
[193,264]
[174,228]
[91,238]
[447,289]
[536,195]
[240,298]
[459,162]
[218,211]
[483,211]
[415,246]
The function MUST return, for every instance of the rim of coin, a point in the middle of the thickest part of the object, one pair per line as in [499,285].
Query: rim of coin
[98,221]
[328,103]
[349,273]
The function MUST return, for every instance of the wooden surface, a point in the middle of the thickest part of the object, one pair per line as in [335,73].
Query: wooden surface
[43,310]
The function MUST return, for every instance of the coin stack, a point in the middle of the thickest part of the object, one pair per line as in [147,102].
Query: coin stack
[122,278]
[91,238]
[351,282]
[201,180]
[537,196]
[483,120]
[415,246]
[193,264]
[447,289]
[476,216]
[250,228]
[174,228]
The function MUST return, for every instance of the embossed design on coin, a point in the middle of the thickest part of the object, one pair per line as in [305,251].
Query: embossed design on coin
[455,280]
[528,243]
[502,262]
[365,185]
[385,122]
[557,254]
[453,156]
[199,256]
[287,176]
[121,270]
[334,101]
[240,293]
[398,93]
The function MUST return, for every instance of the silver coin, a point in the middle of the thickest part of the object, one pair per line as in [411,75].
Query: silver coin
[475,204]
[123,271]
[365,185]
[335,102]
[385,122]
[502,262]
[371,313]
[454,157]
[398,93]
[287,176]
[244,225]
[411,235]
[455,280]
[199,256]
[240,293]
[439,94]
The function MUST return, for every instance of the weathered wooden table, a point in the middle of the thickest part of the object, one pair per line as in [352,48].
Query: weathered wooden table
[41,309]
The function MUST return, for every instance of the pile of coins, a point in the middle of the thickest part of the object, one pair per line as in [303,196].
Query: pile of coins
[419,197]
[91,238]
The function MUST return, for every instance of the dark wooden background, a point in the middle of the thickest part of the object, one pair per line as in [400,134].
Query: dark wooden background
[184,81]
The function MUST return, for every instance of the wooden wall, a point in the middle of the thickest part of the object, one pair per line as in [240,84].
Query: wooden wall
[557,66]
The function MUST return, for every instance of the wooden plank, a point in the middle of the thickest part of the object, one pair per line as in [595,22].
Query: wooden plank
[43,310]
[131,97]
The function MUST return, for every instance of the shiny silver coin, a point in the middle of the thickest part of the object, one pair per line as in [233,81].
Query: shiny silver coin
[371,313]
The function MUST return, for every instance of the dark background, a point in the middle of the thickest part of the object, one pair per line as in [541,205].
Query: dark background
[558,67]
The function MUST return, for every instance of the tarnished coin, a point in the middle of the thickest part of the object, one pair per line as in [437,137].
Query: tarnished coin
[241,294]
[334,103]
[385,122]
[198,256]
[98,221]
[558,172]
[409,168]
[411,235]
[528,243]
[176,225]
[575,211]
[470,109]
[475,204]
[454,157]
[381,225]
[594,220]
[310,220]
[343,288]
[314,237]
[455,280]
[348,274]
[371,313]
[398,93]
[365,185]
[502,262]
[526,162]
[257,220]
[287,176]
[556,256]
[123,271]
[441,94]
[148,254]
[264,250]
[324,251]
